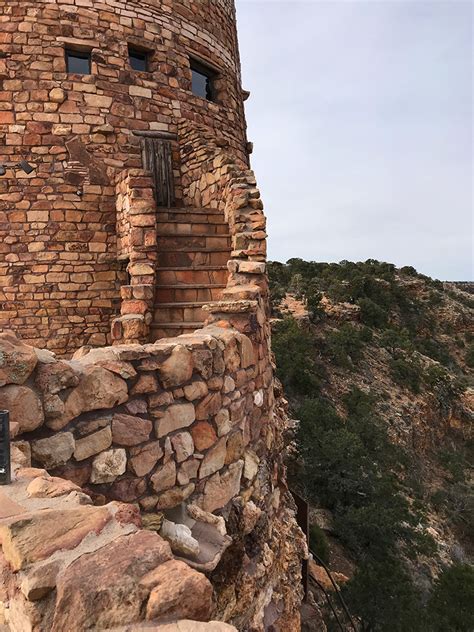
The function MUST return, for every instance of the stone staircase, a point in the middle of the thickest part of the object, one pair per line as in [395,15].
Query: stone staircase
[194,247]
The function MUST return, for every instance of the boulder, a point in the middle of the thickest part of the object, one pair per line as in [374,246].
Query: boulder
[53,451]
[24,406]
[108,465]
[177,591]
[129,430]
[29,539]
[54,377]
[97,389]
[17,360]
[177,369]
[180,538]
[50,487]
[115,596]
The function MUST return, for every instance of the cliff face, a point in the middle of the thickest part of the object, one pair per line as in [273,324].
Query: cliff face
[387,359]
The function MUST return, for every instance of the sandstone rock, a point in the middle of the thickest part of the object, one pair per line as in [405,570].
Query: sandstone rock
[144,458]
[209,518]
[174,497]
[93,444]
[177,369]
[53,451]
[188,470]
[98,388]
[180,538]
[247,352]
[50,487]
[223,422]
[128,430]
[128,489]
[251,462]
[17,360]
[30,539]
[21,454]
[229,384]
[92,423]
[214,459]
[221,488]
[204,435]
[54,377]
[136,407]
[124,369]
[77,473]
[177,591]
[175,417]
[164,477]
[108,465]
[183,446]
[196,390]
[115,596]
[24,406]
[153,522]
[147,383]
[40,580]
[209,406]
[185,625]
[250,516]
[235,447]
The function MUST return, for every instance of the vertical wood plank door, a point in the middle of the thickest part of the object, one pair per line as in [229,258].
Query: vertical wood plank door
[157,158]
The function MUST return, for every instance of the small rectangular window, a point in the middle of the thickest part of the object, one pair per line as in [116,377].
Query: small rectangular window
[78,61]
[138,59]
[202,80]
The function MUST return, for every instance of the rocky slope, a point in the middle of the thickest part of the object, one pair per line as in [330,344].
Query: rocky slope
[401,345]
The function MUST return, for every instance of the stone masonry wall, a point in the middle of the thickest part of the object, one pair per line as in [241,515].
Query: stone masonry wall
[60,276]
[183,422]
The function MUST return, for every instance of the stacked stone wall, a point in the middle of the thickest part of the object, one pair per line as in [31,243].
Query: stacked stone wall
[59,269]
[183,422]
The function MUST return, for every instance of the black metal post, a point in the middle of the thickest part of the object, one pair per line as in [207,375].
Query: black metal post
[5,466]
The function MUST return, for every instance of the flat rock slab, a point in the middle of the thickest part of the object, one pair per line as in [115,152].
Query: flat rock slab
[9,508]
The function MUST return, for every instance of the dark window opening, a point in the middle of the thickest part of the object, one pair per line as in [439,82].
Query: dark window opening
[138,59]
[78,62]
[203,80]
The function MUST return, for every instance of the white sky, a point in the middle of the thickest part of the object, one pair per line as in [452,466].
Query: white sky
[362,117]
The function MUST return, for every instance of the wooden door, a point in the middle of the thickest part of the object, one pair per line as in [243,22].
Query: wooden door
[158,159]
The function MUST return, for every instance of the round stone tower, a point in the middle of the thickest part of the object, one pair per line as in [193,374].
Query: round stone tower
[113,106]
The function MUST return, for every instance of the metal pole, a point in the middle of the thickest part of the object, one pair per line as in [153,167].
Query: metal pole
[5,466]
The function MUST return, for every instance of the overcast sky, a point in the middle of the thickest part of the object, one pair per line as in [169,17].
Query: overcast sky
[361,113]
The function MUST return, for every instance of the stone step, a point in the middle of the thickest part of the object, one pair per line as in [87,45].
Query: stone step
[180,312]
[195,242]
[192,275]
[192,257]
[175,293]
[180,227]
[170,330]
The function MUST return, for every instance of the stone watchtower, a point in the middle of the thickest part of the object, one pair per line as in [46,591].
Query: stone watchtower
[131,115]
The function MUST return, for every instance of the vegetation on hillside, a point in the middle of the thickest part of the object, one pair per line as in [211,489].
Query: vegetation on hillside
[377,346]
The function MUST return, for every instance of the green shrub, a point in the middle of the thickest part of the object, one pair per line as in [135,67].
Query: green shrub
[346,345]
[451,605]
[318,542]
[294,351]
[371,314]
[470,356]
[407,373]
